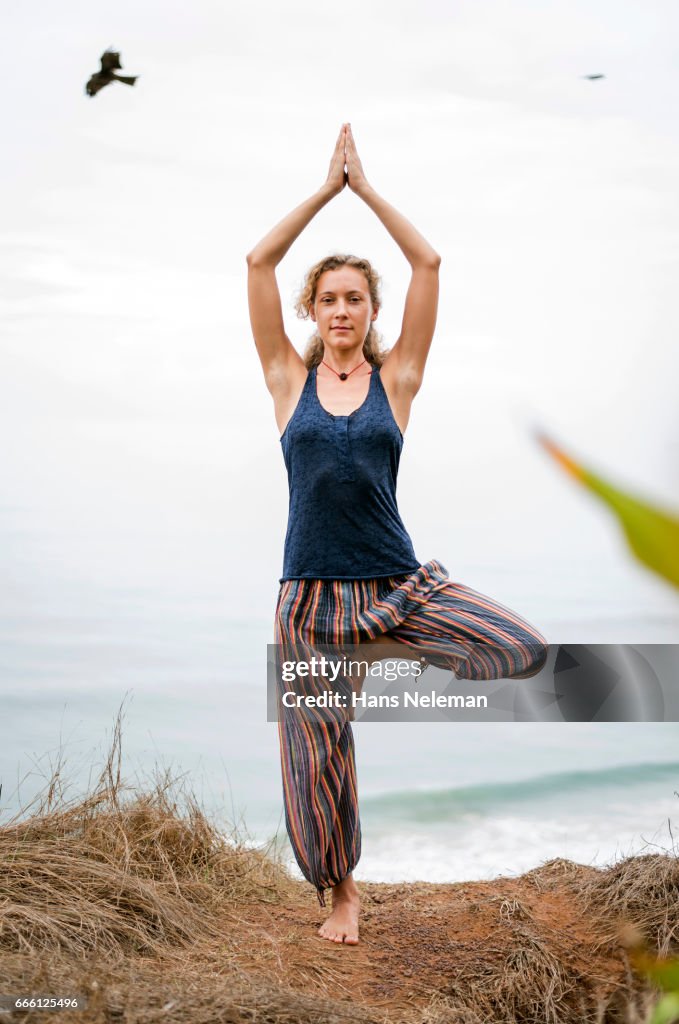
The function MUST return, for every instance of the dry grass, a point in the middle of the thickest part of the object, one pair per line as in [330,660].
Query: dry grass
[642,892]
[119,872]
[137,900]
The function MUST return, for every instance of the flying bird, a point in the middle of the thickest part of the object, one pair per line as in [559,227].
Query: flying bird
[110,61]
[593,78]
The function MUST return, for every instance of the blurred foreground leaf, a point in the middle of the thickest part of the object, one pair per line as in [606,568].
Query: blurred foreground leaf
[652,533]
[667,1010]
[664,973]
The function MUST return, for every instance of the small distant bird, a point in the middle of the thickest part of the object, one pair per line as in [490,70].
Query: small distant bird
[593,78]
[110,60]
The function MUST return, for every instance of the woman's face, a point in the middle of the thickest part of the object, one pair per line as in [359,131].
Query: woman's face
[342,309]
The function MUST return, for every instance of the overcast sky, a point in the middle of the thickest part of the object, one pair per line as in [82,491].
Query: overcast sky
[131,399]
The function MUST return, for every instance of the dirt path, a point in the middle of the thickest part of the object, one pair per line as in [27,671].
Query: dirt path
[420,941]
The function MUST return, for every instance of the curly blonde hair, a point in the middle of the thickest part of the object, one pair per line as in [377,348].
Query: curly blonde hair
[372,346]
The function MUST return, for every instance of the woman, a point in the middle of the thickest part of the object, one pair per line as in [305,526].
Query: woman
[350,574]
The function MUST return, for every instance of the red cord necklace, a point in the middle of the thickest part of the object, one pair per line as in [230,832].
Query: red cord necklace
[343,376]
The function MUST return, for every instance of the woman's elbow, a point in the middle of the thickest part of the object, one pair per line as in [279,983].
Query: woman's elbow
[428,261]
[257,260]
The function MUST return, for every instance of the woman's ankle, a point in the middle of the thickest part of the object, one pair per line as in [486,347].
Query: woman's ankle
[346,889]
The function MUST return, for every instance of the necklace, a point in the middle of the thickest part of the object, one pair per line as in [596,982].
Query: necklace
[343,376]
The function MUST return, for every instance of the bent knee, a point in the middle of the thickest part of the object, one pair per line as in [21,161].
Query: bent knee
[536,657]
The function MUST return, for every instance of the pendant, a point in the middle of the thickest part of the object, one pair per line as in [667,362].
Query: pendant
[343,376]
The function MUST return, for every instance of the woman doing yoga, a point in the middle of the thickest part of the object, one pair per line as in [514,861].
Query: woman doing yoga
[350,574]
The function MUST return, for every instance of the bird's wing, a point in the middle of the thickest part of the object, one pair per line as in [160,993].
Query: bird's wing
[110,60]
[96,82]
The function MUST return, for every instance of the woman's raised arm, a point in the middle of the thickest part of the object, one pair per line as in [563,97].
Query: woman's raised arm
[275,349]
[407,358]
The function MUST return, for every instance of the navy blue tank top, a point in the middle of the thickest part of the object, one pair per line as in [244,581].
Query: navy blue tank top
[343,520]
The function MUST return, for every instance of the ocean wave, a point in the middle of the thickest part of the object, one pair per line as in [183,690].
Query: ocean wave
[485,798]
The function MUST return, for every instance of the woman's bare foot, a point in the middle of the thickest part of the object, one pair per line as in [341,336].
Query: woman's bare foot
[342,925]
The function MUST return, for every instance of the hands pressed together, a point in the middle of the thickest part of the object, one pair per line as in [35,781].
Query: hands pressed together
[346,156]
[419,317]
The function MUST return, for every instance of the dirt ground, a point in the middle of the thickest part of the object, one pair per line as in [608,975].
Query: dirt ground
[141,906]
[420,941]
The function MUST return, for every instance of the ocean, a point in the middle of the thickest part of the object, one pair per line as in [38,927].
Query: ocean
[439,801]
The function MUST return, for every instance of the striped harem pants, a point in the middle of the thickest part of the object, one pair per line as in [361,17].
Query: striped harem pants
[449,624]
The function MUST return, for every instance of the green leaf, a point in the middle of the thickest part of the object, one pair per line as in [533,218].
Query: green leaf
[665,974]
[667,1010]
[651,532]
